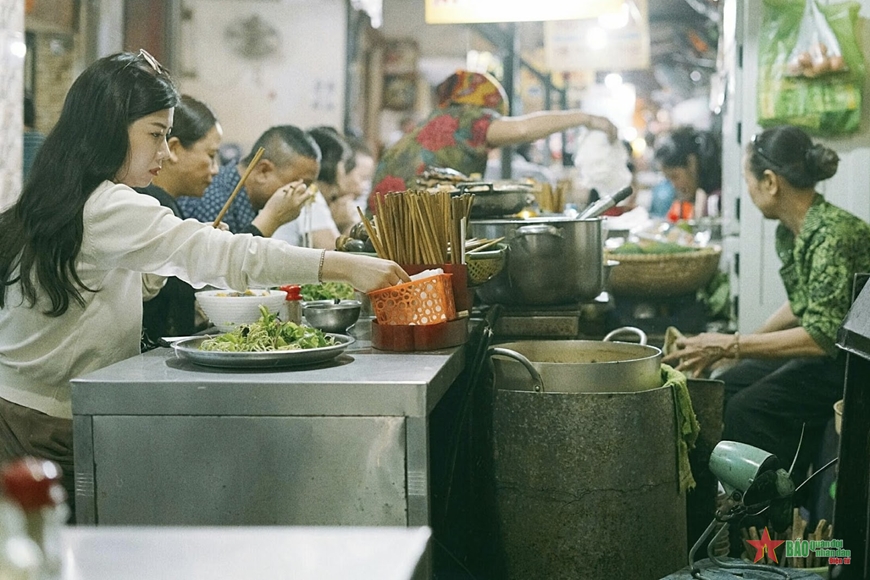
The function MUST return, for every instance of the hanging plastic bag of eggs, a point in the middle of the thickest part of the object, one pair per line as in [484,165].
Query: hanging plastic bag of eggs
[816,61]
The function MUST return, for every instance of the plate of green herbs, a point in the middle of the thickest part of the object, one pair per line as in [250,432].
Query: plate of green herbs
[266,343]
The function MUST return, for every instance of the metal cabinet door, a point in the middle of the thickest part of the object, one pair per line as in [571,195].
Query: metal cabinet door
[174,470]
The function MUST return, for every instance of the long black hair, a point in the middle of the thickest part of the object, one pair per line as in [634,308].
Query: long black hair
[790,153]
[334,150]
[193,120]
[41,234]
[674,149]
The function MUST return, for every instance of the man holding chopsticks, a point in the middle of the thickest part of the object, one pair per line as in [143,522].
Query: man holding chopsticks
[290,158]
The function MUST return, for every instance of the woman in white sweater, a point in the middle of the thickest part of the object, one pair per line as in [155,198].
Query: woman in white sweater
[74,246]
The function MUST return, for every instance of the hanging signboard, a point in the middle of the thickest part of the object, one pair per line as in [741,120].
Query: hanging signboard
[467,11]
[596,44]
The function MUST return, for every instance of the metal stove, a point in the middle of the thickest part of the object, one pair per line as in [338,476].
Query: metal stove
[593,320]
[585,320]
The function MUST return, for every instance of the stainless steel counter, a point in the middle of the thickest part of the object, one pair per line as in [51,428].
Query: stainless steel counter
[161,441]
[131,553]
[362,381]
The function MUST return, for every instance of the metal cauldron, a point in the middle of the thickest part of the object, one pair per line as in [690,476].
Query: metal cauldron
[577,472]
[578,366]
[554,260]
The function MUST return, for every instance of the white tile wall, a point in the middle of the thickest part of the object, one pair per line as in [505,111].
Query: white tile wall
[300,83]
[11,93]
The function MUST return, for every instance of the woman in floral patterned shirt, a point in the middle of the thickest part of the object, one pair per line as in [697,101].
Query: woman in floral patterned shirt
[790,373]
[469,122]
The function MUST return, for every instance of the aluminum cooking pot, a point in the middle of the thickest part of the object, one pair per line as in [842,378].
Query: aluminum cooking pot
[577,366]
[497,199]
[553,260]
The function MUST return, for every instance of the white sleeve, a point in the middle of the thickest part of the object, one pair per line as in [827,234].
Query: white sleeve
[321,217]
[152,284]
[125,229]
[313,217]
[289,233]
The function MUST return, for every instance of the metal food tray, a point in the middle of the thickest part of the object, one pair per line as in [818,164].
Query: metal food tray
[188,348]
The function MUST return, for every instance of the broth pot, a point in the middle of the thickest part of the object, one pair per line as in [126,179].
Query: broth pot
[577,366]
[553,260]
[594,433]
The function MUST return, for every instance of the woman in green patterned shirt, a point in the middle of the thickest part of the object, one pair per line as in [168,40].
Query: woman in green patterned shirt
[789,373]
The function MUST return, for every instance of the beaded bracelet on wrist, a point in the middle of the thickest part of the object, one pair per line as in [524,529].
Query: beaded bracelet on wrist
[320,267]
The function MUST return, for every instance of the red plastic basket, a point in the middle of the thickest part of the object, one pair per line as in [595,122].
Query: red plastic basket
[421,302]
[463,296]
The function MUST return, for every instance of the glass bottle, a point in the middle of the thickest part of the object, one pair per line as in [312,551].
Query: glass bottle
[20,557]
[35,486]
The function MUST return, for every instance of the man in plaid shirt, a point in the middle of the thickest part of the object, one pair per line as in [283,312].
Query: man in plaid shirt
[271,195]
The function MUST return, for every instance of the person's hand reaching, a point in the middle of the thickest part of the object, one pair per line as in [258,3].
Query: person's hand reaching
[604,124]
[365,273]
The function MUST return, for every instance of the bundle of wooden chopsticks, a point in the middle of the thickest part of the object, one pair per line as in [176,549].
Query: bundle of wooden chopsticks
[480,244]
[420,226]
[797,531]
[550,200]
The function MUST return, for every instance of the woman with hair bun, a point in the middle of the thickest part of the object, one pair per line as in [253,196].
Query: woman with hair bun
[789,371]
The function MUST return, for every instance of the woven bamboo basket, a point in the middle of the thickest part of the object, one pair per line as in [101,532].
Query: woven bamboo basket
[659,275]
[484,265]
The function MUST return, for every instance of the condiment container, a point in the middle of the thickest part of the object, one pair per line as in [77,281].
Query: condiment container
[292,309]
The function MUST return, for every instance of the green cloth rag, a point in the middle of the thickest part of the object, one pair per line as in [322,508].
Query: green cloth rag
[687,424]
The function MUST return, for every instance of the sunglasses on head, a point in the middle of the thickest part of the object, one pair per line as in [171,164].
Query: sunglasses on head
[152,62]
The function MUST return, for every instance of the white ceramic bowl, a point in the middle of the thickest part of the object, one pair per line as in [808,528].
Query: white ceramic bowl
[227,309]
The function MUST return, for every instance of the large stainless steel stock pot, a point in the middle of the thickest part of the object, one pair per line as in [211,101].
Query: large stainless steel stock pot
[578,366]
[553,260]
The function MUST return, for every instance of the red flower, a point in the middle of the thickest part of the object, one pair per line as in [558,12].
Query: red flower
[389,183]
[478,132]
[438,133]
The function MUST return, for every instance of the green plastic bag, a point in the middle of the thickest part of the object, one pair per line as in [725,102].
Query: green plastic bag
[826,105]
